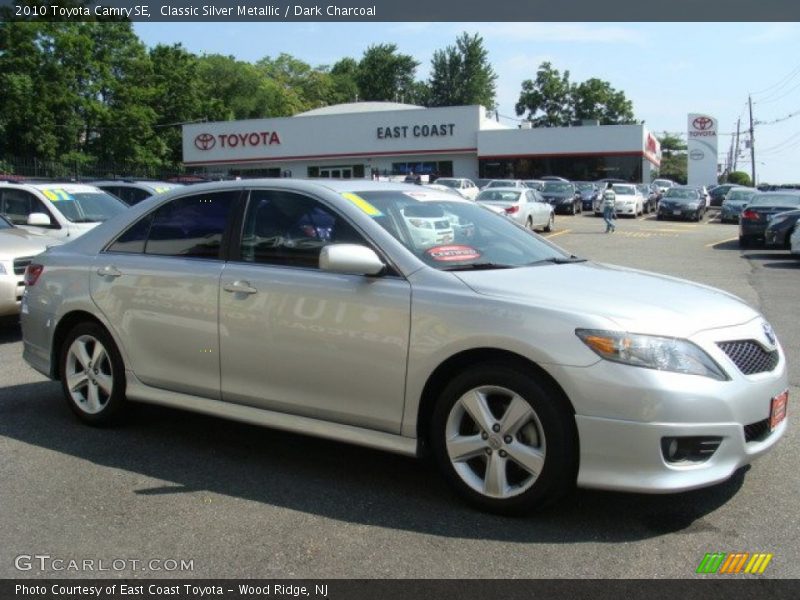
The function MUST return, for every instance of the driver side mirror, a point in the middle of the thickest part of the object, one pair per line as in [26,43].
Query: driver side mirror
[351,259]
[39,220]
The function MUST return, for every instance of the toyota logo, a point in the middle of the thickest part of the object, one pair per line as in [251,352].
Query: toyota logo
[703,123]
[205,141]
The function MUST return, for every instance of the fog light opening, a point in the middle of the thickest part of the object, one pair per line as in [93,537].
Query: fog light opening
[689,449]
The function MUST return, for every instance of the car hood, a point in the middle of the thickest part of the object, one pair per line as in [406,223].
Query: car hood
[637,301]
[19,242]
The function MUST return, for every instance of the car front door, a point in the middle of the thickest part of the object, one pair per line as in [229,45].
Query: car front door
[158,286]
[299,340]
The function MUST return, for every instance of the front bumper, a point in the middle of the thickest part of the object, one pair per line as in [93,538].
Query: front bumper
[623,414]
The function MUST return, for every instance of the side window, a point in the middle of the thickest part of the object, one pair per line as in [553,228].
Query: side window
[134,196]
[285,228]
[18,204]
[191,226]
[134,239]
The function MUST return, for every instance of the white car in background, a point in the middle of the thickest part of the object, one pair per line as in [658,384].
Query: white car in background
[527,207]
[428,225]
[629,200]
[465,187]
[60,210]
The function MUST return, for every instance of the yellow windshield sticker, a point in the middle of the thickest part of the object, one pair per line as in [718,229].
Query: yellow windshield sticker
[57,194]
[365,206]
[161,190]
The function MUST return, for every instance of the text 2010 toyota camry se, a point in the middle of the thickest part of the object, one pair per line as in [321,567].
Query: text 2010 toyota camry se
[321,308]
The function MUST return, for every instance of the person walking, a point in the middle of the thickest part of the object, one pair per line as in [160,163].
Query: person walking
[609,212]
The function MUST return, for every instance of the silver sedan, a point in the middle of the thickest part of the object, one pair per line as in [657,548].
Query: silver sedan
[314,307]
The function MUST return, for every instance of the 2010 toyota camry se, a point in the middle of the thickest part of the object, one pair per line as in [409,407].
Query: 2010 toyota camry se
[408,319]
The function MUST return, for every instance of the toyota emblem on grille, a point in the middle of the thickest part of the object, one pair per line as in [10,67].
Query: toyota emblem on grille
[205,141]
[769,333]
[703,123]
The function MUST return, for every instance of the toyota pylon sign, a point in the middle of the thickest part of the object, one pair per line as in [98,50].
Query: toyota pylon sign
[702,150]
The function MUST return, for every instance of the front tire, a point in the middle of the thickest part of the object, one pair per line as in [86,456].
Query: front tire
[551,221]
[504,441]
[93,375]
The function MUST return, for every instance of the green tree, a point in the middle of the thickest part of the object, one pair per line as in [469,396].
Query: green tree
[462,75]
[595,99]
[344,75]
[673,158]
[546,99]
[740,178]
[386,75]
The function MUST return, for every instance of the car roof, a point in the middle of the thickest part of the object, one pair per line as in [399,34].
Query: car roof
[66,186]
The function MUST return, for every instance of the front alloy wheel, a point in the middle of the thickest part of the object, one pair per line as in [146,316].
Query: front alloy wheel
[505,441]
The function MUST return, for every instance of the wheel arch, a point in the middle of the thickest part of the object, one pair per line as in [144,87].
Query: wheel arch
[461,361]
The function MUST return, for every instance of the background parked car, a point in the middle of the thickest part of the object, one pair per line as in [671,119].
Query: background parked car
[649,198]
[536,184]
[733,203]
[794,242]
[463,186]
[664,185]
[681,202]
[482,183]
[629,200]
[589,192]
[132,192]
[17,249]
[563,196]
[505,183]
[61,210]
[756,214]
[780,228]
[718,193]
[527,207]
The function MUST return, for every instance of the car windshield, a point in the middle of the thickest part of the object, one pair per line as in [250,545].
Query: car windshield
[501,183]
[86,207]
[662,182]
[556,187]
[451,183]
[681,194]
[457,235]
[498,196]
[775,200]
[584,186]
[739,195]
[625,190]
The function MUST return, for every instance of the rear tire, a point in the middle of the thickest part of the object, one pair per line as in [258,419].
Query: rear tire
[504,441]
[93,375]
[549,227]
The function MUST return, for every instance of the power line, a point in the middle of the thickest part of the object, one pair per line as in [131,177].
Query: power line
[779,120]
[779,84]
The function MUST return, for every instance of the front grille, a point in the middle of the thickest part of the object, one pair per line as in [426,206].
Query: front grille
[20,264]
[755,432]
[750,356]
[442,224]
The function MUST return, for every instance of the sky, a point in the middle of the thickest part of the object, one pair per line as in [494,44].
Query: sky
[667,70]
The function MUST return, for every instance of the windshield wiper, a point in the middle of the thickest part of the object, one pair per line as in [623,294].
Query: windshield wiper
[557,260]
[477,266]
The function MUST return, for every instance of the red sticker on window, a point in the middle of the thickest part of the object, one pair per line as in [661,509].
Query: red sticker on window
[453,253]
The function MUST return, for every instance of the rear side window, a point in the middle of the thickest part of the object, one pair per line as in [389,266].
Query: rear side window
[188,227]
[17,205]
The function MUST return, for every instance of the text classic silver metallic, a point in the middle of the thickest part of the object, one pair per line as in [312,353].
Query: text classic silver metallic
[407,319]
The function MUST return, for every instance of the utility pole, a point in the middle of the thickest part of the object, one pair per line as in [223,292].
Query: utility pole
[736,148]
[752,142]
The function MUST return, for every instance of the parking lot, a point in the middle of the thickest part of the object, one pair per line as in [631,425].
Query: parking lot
[241,501]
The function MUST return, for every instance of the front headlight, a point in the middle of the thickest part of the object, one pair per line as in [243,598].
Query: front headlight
[652,352]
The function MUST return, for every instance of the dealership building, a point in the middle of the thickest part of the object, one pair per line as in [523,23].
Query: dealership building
[365,139]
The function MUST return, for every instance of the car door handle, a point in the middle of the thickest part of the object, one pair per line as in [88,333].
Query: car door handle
[239,287]
[109,271]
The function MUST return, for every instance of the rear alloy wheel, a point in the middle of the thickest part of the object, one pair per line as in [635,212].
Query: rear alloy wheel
[92,375]
[504,442]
